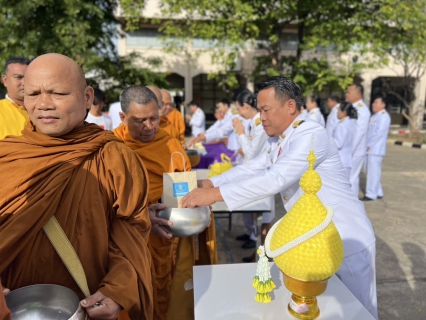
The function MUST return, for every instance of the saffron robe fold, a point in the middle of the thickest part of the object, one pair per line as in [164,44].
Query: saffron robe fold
[97,189]
[176,120]
[156,156]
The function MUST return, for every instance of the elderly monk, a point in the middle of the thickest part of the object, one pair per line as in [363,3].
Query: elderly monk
[164,122]
[140,131]
[93,184]
[174,116]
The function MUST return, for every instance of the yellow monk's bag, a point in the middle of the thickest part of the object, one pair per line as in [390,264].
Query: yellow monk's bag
[176,185]
[220,167]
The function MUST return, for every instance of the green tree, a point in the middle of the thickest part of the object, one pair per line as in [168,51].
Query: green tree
[81,29]
[398,37]
[234,25]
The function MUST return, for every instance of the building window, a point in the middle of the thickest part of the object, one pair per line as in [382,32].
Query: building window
[145,38]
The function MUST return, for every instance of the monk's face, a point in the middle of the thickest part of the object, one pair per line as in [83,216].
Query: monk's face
[56,95]
[167,103]
[142,120]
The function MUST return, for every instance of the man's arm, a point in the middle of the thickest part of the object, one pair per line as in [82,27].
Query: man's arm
[287,170]
[197,120]
[361,127]
[381,129]
[224,130]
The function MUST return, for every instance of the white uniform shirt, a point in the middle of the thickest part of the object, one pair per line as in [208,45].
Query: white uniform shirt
[198,122]
[343,137]
[257,140]
[103,121]
[279,171]
[378,130]
[114,114]
[303,114]
[226,130]
[214,126]
[359,142]
[316,115]
[332,120]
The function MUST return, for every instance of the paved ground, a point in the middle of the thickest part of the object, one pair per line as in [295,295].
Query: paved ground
[399,220]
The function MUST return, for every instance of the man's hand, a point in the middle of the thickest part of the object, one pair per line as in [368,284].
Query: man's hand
[368,149]
[206,183]
[158,223]
[201,197]
[199,138]
[238,126]
[99,306]
[188,117]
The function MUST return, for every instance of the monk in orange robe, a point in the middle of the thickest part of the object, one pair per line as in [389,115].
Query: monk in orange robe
[94,185]
[164,122]
[140,131]
[175,117]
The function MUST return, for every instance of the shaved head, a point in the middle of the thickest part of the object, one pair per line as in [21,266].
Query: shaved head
[167,102]
[56,94]
[158,94]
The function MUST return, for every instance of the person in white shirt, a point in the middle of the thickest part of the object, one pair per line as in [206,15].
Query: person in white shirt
[252,145]
[314,111]
[279,171]
[378,130]
[114,114]
[359,142]
[332,120]
[96,115]
[218,114]
[197,120]
[343,132]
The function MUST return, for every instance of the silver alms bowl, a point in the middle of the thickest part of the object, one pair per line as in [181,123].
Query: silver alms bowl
[44,301]
[186,222]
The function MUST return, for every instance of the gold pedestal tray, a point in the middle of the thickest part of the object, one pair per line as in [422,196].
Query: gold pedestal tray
[303,304]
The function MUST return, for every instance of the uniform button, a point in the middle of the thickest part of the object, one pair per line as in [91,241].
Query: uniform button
[285,198]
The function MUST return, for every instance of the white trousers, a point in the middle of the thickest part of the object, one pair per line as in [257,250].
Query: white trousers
[358,273]
[357,163]
[374,174]
[250,220]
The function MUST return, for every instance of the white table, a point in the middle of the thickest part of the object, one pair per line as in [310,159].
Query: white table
[224,292]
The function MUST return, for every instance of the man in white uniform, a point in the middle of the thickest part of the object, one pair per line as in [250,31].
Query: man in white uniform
[314,111]
[359,142]
[378,130]
[332,120]
[114,114]
[96,115]
[197,120]
[279,171]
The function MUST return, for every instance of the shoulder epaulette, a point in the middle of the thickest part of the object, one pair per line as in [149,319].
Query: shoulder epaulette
[257,122]
[360,104]
[297,123]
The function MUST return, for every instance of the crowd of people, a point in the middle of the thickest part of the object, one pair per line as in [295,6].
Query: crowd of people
[100,177]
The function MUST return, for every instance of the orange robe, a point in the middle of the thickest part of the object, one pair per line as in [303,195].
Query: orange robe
[167,126]
[176,120]
[97,189]
[156,157]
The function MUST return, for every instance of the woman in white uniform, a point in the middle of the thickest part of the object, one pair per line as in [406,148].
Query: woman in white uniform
[252,145]
[314,111]
[343,133]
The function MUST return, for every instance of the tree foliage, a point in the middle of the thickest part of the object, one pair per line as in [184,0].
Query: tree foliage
[80,29]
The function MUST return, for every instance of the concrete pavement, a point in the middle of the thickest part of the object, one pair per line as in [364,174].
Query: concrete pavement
[400,227]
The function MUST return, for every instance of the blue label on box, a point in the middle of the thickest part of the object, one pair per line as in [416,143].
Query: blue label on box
[180,189]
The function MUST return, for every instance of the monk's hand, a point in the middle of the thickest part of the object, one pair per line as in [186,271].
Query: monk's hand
[99,306]
[6,291]
[238,126]
[201,197]
[157,223]
[206,183]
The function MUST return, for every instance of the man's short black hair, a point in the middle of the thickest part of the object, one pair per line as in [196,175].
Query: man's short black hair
[359,88]
[223,101]
[335,99]
[383,98]
[20,60]
[194,103]
[285,89]
[138,94]
[99,96]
